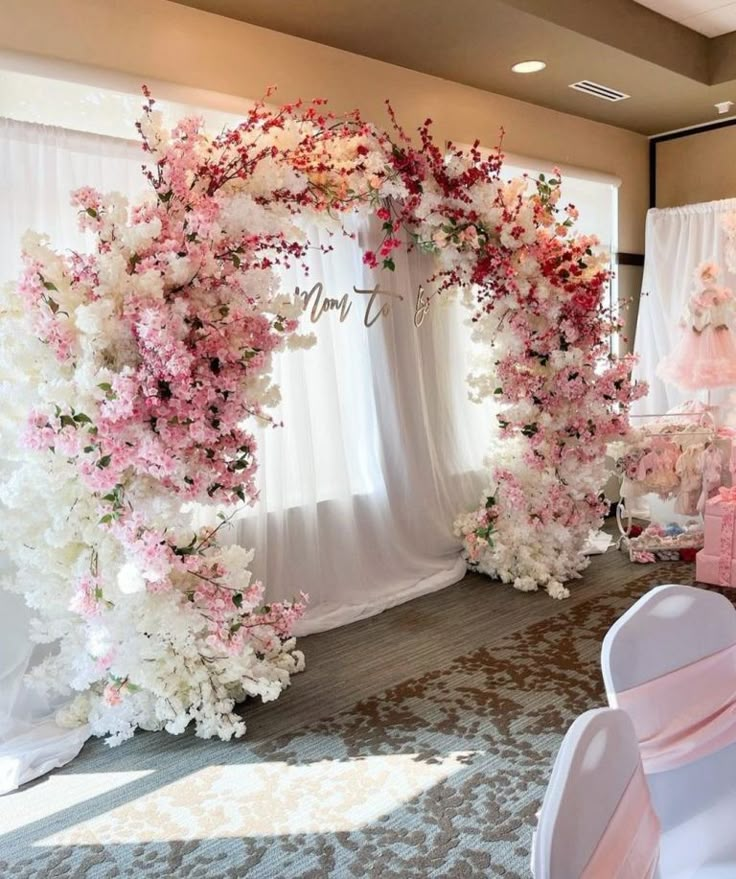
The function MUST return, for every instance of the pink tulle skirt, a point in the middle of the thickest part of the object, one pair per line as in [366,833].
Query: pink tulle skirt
[701,360]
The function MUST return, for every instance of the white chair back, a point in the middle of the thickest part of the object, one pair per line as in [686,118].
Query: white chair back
[594,767]
[668,628]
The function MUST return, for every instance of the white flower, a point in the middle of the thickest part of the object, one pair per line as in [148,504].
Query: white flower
[130,579]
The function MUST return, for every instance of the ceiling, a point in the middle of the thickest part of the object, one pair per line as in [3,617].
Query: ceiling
[709,17]
[673,73]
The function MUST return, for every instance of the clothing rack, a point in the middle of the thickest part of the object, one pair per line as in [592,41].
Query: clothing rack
[706,430]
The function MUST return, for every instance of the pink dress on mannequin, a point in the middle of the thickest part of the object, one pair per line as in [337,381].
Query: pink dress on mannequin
[705,355]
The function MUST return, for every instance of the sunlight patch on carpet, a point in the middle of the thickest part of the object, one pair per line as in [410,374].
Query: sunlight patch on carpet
[268,799]
[60,792]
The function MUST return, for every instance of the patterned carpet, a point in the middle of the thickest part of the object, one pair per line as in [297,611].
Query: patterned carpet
[439,776]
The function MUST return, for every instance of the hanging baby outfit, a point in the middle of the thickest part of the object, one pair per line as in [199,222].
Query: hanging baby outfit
[712,474]
[656,469]
[689,468]
[705,355]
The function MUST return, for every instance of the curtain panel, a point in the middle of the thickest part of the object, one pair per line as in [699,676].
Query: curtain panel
[677,241]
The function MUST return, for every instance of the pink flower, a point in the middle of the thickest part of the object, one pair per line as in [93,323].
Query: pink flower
[112,695]
[87,598]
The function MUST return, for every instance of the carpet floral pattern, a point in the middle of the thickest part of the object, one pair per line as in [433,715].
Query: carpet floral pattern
[438,776]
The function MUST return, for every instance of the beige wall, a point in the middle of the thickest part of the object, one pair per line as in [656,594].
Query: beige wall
[156,40]
[701,167]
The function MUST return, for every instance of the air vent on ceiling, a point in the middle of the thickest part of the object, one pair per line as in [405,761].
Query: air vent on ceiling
[598,90]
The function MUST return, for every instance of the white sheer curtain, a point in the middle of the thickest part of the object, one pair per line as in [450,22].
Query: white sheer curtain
[677,241]
[40,166]
[380,449]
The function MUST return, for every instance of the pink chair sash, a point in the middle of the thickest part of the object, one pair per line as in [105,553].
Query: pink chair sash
[686,714]
[629,847]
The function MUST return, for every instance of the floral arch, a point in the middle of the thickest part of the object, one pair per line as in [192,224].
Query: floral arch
[132,369]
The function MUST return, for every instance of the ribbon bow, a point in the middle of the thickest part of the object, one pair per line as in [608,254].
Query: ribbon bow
[725,495]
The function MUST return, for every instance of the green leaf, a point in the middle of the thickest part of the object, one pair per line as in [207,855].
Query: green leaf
[49,286]
[238,599]
[67,421]
[105,386]
[240,492]
[92,213]
[106,518]
[498,391]
[388,226]
[104,461]
[236,260]
[81,418]
[389,264]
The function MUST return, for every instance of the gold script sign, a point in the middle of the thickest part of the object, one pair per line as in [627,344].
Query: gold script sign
[377,305]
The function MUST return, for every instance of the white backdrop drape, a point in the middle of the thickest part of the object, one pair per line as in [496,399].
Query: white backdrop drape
[677,241]
[40,166]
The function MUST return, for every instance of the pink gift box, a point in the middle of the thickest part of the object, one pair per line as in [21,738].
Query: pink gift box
[708,569]
[713,525]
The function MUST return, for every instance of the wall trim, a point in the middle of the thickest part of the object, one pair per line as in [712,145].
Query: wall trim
[629,259]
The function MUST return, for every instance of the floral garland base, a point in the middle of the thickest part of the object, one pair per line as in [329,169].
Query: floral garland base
[529,551]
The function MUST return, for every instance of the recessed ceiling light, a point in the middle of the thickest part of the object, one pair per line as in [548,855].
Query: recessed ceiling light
[528,66]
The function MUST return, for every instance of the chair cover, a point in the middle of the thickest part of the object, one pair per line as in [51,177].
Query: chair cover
[670,661]
[596,821]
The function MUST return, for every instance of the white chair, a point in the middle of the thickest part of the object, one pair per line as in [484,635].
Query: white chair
[596,821]
[670,662]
